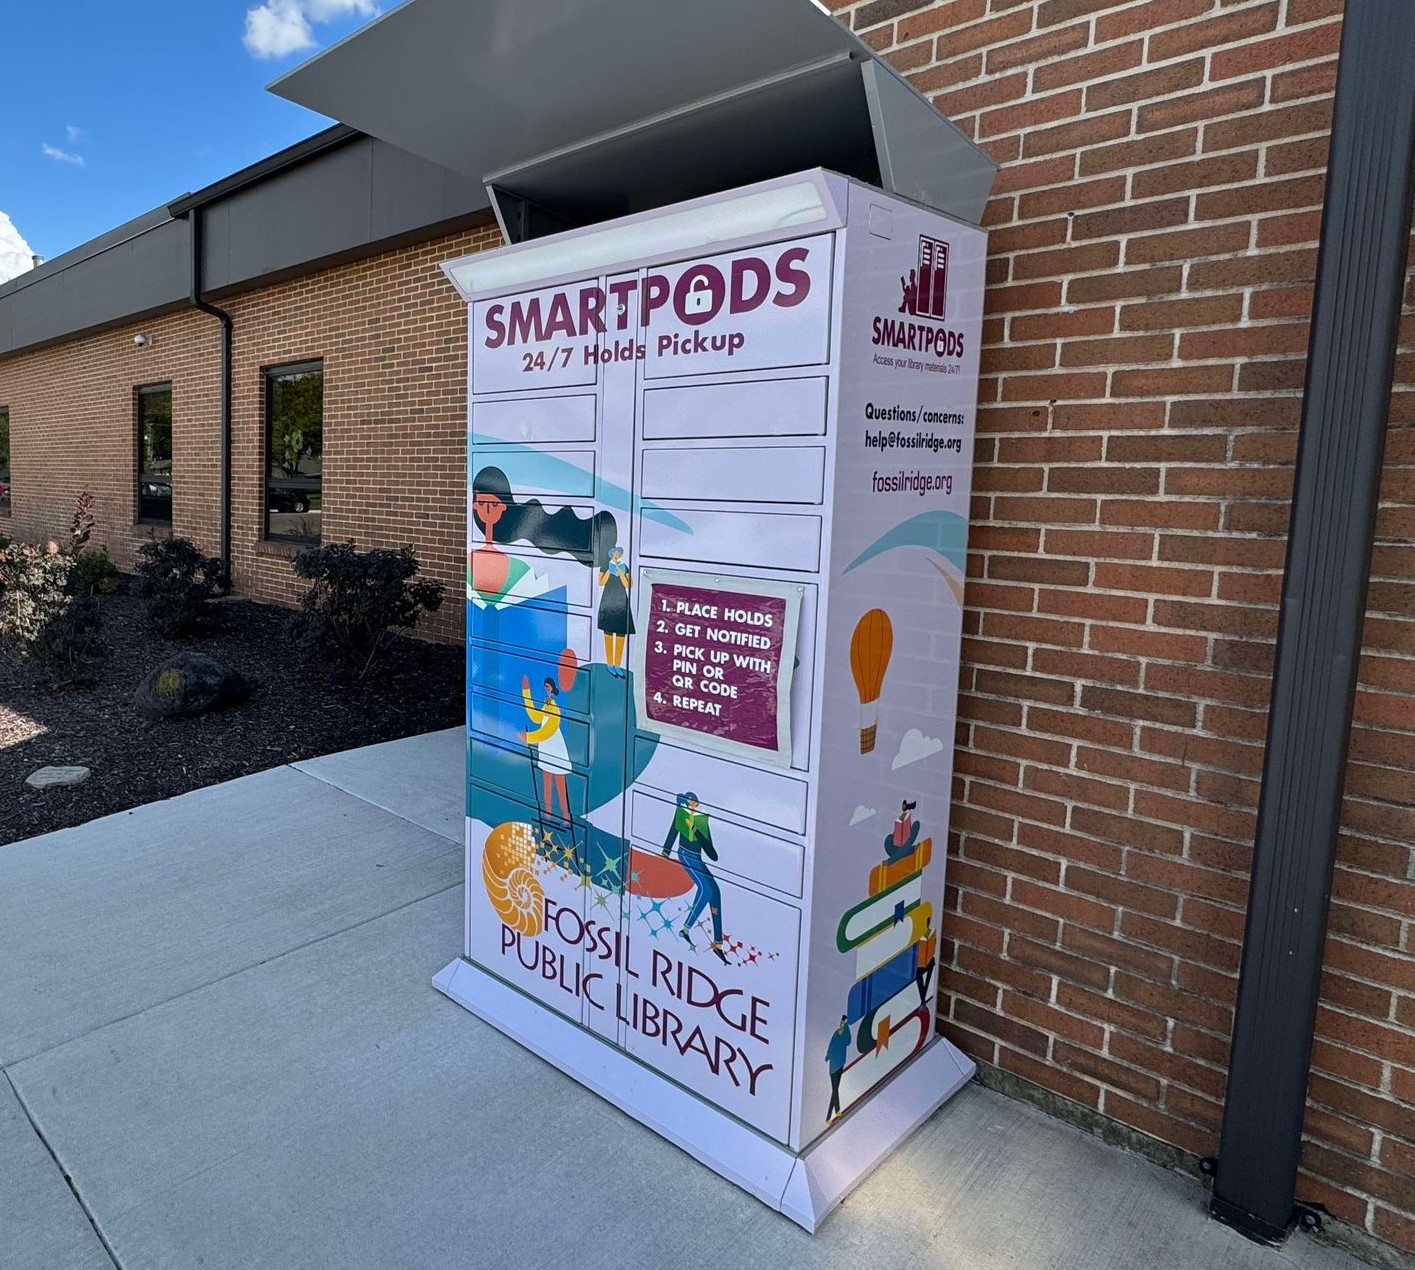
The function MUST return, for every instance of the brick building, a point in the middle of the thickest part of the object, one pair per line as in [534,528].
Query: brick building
[1153,246]
[361,302]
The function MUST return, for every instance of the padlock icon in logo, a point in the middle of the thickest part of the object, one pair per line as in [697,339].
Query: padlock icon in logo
[699,300]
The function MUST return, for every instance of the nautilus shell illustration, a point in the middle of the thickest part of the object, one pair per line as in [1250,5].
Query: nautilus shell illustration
[509,872]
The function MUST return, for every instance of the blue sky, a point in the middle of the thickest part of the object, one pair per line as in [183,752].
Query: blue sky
[111,109]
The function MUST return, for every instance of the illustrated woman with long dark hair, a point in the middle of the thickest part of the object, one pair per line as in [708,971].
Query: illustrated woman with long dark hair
[516,607]
[501,519]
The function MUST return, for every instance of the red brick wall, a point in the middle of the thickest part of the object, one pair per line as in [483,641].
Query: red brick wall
[1154,229]
[393,337]
[392,334]
[73,426]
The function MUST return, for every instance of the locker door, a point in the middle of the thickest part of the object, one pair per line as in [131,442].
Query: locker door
[535,451]
[607,863]
[728,473]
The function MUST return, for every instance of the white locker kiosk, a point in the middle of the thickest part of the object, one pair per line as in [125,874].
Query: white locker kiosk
[718,494]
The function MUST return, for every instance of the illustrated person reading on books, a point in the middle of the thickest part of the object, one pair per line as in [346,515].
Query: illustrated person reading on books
[835,1055]
[616,614]
[549,743]
[911,292]
[899,841]
[693,834]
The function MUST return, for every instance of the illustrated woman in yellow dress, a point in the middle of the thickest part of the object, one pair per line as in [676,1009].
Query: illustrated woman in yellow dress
[550,746]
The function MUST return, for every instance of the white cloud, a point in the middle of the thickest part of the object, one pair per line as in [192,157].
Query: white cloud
[63,156]
[75,134]
[16,255]
[862,814]
[277,28]
[914,748]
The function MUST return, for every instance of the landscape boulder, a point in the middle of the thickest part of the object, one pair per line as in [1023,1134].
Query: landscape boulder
[187,685]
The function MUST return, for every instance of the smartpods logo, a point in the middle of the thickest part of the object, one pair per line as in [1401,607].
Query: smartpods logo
[697,297]
[925,289]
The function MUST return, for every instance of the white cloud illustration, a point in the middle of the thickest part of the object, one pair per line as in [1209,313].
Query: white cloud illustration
[862,814]
[914,748]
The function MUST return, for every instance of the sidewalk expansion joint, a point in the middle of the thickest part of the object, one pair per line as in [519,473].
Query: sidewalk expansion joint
[64,1173]
[456,839]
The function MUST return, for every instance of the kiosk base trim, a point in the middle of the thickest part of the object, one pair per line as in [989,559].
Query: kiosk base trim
[804,1187]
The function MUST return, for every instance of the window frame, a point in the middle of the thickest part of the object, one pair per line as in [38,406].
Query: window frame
[139,392]
[7,508]
[269,376]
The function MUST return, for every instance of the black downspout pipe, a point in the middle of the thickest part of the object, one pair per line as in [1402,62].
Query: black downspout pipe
[1350,366]
[196,226]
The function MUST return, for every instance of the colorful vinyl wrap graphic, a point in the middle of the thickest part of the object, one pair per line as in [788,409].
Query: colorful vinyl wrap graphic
[717,507]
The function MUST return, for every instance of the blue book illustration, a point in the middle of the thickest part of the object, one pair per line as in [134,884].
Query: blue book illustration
[509,643]
[876,988]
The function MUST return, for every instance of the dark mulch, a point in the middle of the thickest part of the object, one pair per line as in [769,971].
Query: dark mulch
[296,712]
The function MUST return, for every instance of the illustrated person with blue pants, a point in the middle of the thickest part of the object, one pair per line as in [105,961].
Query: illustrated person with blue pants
[693,834]
[835,1055]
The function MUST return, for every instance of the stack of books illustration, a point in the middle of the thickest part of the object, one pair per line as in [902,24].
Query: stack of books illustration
[891,934]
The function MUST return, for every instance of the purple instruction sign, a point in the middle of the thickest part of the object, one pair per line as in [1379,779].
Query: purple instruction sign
[716,663]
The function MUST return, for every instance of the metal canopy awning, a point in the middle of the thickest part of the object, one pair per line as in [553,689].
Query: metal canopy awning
[577,111]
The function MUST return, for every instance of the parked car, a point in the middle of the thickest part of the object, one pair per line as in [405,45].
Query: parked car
[155,500]
[291,495]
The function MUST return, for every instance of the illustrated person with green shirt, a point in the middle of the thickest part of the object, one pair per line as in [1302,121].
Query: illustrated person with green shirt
[835,1055]
[693,834]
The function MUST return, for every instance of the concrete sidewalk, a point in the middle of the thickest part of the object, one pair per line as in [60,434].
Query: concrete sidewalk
[221,1048]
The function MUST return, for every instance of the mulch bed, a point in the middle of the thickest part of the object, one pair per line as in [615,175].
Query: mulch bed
[296,712]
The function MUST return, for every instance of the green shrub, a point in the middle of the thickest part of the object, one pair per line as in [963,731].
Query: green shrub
[358,599]
[94,573]
[69,647]
[33,591]
[178,583]
[41,621]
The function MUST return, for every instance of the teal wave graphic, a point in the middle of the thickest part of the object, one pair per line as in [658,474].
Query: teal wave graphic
[555,473]
[944,533]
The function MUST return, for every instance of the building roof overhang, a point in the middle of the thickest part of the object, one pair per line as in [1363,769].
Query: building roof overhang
[577,111]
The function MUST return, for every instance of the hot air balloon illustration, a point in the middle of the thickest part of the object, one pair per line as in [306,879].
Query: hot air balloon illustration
[870,648]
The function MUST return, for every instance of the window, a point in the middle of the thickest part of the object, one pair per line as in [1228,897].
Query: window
[4,461]
[294,449]
[155,454]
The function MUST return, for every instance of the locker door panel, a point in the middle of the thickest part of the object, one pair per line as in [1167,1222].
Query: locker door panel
[616,627]
[534,341]
[546,742]
[725,1031]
